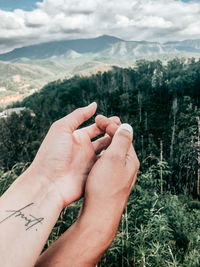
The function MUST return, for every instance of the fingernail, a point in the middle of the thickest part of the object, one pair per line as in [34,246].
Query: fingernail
[125,126]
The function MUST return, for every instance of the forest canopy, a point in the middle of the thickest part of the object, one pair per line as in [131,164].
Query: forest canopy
[160,226]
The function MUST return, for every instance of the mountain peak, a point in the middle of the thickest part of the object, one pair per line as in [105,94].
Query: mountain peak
[117,48]
[110,37]
[58,48]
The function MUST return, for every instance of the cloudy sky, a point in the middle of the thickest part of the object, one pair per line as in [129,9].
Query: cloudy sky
[25,22]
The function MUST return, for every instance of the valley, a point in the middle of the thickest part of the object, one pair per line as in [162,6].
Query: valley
[26,70]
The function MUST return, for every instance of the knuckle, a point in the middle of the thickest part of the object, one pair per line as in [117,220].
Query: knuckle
[115,119]
[77,111]
[81,112]
[99,118]
[101,121]
[56,125]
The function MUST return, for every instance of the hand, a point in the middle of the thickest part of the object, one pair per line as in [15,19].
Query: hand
[114,174]
[67,155]
[107,190]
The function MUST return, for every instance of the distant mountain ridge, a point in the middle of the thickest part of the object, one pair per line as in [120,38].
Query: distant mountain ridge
[136,50]
[103,46]
[192,46]
[27,69]
[57,48]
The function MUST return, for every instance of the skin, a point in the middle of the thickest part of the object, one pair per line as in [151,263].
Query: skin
[52,182]
[64,148]
[107,189]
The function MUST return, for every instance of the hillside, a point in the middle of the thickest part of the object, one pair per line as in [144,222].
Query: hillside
[32,67]
[101,46]
[29,76]
[192,46]
[23,79]
[162,103]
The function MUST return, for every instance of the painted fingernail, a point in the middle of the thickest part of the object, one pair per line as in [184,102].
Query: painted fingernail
[125,126]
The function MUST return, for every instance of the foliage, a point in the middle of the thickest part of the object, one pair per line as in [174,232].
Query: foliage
[155,229]
[161,102]
[160,226]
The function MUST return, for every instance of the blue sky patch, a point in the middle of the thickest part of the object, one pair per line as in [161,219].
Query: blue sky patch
[10,5]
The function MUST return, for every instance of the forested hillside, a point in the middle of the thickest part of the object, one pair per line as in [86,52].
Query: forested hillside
[160,226]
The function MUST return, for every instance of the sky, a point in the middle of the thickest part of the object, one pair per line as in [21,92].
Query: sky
[27,22]
[11,5]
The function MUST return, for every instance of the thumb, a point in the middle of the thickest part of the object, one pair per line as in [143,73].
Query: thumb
[78,116]
[122,140]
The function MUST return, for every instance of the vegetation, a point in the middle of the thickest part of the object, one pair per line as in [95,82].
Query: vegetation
[160,226]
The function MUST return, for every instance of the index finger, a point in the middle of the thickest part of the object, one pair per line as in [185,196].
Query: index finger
[108,125]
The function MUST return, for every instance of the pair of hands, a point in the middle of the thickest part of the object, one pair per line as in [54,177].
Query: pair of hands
[66,166]
[68,159]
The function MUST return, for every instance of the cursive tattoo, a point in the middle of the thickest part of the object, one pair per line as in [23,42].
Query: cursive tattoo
[30,220]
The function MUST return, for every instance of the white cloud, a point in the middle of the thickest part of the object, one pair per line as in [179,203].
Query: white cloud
[36,18]
[153,20]
[9,21]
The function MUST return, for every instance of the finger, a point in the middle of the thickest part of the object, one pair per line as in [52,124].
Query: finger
[134,180]
[121,141]
[115,119]
[99,155]
[132,161]
[93,130]
[102,121]
[108,125]
[80,211]
[101,143]
[78,116]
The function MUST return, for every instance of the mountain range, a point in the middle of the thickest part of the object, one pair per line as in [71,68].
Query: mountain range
[27,69]
[103,45]
[47,50]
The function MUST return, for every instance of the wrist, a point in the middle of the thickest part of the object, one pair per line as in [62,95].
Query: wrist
[29,210]
[65,187]
[99,225]
[36,187]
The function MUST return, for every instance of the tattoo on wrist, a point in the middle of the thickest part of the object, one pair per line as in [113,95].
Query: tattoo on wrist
[30,220]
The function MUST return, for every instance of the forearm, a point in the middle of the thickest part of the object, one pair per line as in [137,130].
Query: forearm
[28,211]
[83,244]
[106,192]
